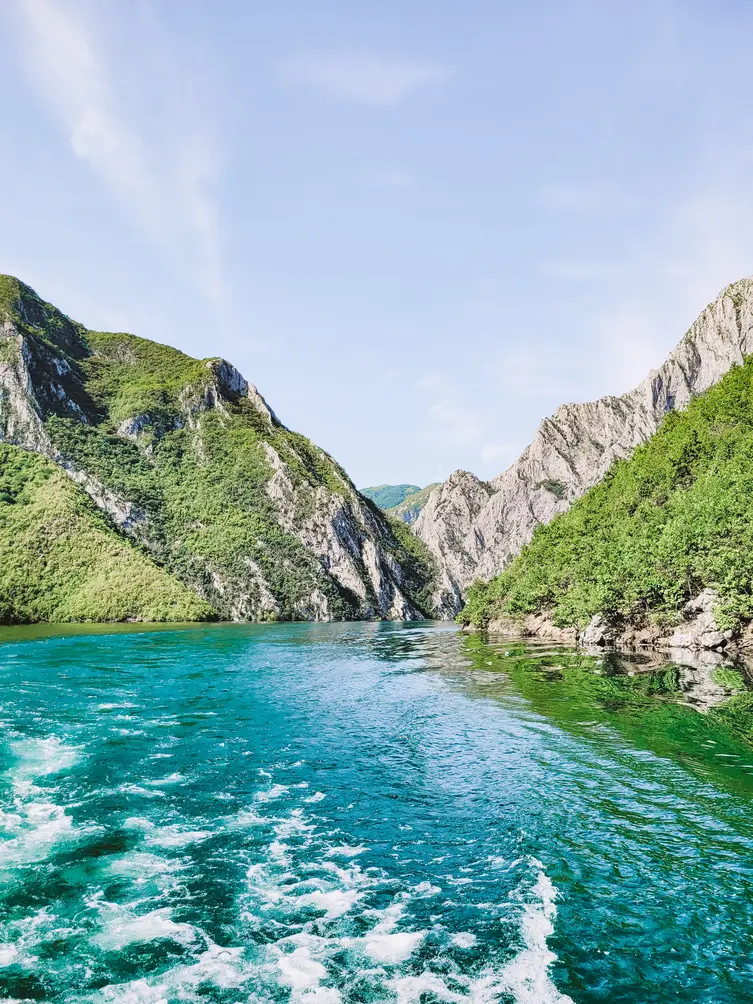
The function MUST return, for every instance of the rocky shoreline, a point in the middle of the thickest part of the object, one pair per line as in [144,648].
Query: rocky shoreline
[697,632]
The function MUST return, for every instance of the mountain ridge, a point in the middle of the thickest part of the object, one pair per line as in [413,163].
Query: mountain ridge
[192,466]
[475,528]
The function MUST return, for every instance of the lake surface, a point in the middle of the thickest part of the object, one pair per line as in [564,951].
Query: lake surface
[367,813]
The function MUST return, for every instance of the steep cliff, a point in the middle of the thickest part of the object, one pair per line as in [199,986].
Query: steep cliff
[190,464]
[474,529]
[659,552]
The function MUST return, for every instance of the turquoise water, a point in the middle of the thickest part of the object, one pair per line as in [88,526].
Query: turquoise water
[353,813]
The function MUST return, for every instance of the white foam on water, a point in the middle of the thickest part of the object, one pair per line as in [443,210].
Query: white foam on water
[137,789]
[527,976]
[346,851]
[333,904]
[143,868]
[392,949]
[298,969]
[426,889]
[121,927]
[8,954]
[34,829]
[269,794]
[411,989]
[42,757]
[32,823]
[320,995]
[222,967]
[175,836]
[464,939]
[171,779]
[316,797]
[21,938]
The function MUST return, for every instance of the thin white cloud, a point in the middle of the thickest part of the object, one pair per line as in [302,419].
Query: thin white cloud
[584,197]
[361,78]
[163,186]
[451,421]
[390,177]
[573,270]
[497,452]
[536,372]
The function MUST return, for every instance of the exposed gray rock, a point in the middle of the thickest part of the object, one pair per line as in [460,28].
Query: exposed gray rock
[340,530]
[599,632]
[572,450]
[700,629]
[447,525]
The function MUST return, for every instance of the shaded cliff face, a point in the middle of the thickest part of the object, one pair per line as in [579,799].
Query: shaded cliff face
[188,462]
[474,537]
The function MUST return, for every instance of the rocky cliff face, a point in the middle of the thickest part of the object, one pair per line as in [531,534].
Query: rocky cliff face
[189,462]
[475,528]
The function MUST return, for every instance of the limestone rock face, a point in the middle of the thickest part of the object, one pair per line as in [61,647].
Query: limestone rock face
[597,632]
[700,629]
[446,525]
[571,451]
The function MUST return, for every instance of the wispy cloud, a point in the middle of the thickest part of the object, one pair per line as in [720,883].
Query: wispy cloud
[361,78]
[165,187]
[454,423]
[390,177]
[584,197]
[450,418]
[537,372]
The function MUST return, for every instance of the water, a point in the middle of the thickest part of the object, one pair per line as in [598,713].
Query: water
[356,813]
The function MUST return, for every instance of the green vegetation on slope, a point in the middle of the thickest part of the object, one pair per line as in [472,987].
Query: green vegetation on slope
[675,517]
[411,506]
[222,496]
[388,496]
[61,561]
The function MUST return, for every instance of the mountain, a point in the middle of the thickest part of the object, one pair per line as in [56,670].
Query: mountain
[661,546]
[234,515]
[408,510]
[389,496]
[404,502]
[475,528]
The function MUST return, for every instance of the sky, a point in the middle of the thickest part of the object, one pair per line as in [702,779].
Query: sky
[417,227]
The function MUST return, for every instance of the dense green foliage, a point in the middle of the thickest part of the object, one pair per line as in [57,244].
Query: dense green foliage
[61,561]
[388,496]
[128,376]
[412,504]
[675,517]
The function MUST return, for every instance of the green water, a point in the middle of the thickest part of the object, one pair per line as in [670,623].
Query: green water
[367,813]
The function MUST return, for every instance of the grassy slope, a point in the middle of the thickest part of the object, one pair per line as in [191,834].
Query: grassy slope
[675,517]
[388,496]
[61,561]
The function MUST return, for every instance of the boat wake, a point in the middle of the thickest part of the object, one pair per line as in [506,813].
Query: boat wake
[313,922]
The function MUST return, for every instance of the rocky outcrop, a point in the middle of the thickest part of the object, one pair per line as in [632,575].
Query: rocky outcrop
[571,451]
[698,631]
[447,526]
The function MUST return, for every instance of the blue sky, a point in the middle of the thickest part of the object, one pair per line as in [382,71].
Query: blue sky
[418,227]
